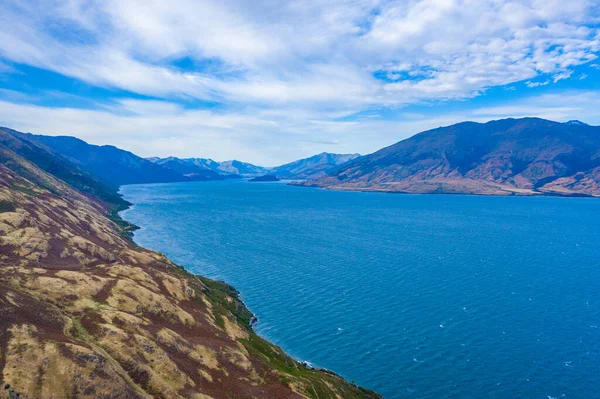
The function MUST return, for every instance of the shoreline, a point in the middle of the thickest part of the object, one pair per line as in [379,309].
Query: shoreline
[535,194]
[253,319]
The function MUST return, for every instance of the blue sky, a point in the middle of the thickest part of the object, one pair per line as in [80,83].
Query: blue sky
[272,81]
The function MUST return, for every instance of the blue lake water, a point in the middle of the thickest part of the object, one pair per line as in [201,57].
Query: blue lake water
[414,296]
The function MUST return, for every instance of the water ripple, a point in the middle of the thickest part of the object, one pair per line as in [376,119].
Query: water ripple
[414,296]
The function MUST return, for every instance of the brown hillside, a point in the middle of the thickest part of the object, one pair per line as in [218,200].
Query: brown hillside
[84,313]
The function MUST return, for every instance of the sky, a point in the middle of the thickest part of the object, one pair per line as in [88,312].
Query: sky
[269,81]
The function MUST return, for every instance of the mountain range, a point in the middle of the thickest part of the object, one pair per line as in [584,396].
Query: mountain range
[308,168]
[115,166]
[84,312]
[106,162]
[525,156]
[506,157]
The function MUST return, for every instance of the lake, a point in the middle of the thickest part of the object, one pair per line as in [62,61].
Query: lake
[414,296]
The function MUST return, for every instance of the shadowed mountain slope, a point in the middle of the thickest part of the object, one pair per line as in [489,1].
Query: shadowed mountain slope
[512,156]
[86,313]
[58,165]
[108,162]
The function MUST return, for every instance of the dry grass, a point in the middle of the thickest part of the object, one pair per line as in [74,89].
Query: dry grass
[87,314]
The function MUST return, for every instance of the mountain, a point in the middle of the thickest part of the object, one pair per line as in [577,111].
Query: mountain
[313,167]
[576,122]
[107,162]
[227,168]
[241,168]
[308,168]
[84,312]
[189,169]
[265,178]
[58,165]
[204,162]
[511,156]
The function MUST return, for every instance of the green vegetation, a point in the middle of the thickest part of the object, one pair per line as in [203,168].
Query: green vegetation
[10,393]
[7,206]
[125,228]
[78,331]
[317,381]
[225,301]
[223,297]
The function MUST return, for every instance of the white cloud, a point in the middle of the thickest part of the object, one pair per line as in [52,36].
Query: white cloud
[265,137]
[466,46]
[562,76]
[305,52]
[537,84]
[285,72]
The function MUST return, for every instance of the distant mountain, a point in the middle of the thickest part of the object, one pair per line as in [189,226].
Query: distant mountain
[511,156]
[191,170]
[576,122]
[203,162]
[241,168]
[108,162]
[308,168]
[313,167]
[265,178]
[196,165]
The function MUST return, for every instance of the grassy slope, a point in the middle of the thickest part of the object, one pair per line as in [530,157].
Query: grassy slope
[93,315]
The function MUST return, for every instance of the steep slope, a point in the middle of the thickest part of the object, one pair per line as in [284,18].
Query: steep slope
[86,313]
[314,167]
[512,156]
[60,166]
[108,162]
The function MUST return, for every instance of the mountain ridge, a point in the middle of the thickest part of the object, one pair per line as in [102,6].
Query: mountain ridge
[111,164]
[305,168]
[107,162]
[115,166]
[527,156]
[189,170]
